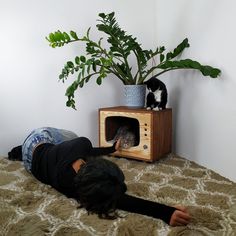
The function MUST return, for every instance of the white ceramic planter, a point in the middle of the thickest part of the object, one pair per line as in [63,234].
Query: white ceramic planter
[134,95]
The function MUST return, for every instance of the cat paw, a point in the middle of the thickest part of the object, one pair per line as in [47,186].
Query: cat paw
[148,108]
[156,109]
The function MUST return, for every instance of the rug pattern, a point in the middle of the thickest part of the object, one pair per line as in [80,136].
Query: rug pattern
[28,207]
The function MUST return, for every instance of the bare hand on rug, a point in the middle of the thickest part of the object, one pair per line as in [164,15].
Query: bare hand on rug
[180,216]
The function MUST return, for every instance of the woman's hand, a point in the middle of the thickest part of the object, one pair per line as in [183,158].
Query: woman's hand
[180,216]
[117,145]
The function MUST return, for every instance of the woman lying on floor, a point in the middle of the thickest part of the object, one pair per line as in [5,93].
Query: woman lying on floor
[72,166]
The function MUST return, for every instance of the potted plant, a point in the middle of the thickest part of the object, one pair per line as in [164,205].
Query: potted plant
[122,56]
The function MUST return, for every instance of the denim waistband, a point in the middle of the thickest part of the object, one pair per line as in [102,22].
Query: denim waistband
[40,136]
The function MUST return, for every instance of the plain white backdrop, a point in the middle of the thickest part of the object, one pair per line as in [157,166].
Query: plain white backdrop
[204,110]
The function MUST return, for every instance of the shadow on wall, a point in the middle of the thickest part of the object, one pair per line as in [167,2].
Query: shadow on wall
[183,99]
[174,104]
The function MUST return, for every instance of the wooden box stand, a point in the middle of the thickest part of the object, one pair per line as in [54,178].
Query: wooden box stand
[153,129]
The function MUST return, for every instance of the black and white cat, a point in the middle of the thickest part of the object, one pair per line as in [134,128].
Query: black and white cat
[157,96]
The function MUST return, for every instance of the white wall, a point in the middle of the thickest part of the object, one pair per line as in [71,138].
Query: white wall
[204,108]
[30,95]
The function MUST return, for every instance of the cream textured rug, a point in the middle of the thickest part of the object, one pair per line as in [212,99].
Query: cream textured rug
[28,207]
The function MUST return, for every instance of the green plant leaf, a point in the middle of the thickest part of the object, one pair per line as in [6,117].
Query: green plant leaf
[88,78]
[74,35]
[79,77]
[206,70]
[87,34]
[98,62]
[82,59]
[58,36]
[71,102]
[102,15]
[179,49]
[162,57]
[70,64]
[51,37]
[81,84]
[94,66]
[61,77]
[88,66]
[77,60]
[66,37]
[69,91]
[99,80]
[82,66]
[111,15]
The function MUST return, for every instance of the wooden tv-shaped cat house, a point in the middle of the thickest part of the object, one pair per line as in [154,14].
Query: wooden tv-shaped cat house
[153,131]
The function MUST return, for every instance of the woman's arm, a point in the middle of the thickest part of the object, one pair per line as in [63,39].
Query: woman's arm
[170,215]
[99,151]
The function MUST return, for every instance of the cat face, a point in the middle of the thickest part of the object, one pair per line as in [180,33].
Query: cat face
[127,140]
[154,84]
[151,86]
[126,136]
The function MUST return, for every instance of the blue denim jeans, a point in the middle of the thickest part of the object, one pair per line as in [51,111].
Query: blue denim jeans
[40,136]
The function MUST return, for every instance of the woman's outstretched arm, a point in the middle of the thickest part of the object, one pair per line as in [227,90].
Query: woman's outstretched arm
[99,151]
[171,215]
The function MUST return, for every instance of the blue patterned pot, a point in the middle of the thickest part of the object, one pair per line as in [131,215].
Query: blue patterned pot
[134,95]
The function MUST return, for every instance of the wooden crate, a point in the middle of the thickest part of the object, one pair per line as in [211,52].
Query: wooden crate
[153,129]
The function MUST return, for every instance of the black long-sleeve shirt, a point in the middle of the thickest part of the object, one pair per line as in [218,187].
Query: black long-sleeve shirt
[52,165]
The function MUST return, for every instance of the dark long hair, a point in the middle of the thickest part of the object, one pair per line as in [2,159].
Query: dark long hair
[99,184]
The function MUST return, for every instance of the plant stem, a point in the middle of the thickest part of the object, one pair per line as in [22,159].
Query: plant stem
[122,51]
[139,68]
[164,71]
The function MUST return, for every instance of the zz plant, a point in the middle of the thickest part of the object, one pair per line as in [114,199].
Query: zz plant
[115,57]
